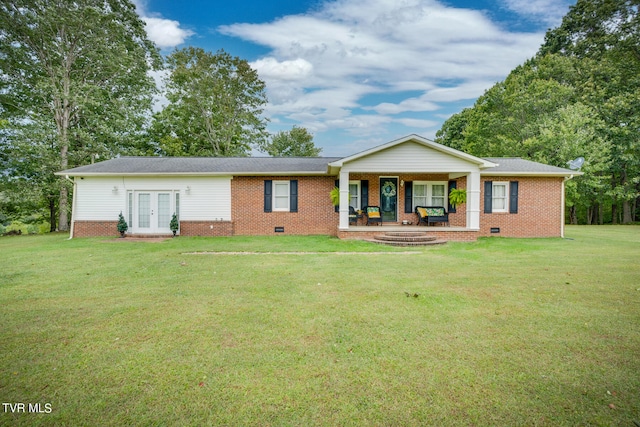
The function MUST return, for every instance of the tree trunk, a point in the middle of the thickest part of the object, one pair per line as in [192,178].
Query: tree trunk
[573,215]
[614,213]
[626,212]
[601,214]
[52,214]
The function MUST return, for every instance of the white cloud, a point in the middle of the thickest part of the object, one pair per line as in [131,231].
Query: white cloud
[271,68]
[322,65]
[166,33]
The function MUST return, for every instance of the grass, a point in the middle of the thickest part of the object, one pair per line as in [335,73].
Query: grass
[518,332]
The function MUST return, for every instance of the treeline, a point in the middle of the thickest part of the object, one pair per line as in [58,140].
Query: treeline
[76,87]
[578,97]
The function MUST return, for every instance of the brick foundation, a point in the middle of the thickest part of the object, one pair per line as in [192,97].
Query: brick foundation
[95,228]
[206,228]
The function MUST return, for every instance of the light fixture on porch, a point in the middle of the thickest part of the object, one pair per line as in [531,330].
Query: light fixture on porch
[188,190]
[115,189]
[402,183]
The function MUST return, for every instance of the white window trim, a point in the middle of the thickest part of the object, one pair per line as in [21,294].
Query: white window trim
[506,196]
[358,195]
[274,197]
[429,185]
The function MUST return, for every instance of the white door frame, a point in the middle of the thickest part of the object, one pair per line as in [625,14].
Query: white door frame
[154,218]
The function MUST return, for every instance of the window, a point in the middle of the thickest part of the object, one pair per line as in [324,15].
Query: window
[419,195]
[280,195]
[130,209]
[438,195]
[354,193]
[500,197]
[429,193]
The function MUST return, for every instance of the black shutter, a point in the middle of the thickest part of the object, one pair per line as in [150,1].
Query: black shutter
[513,197]
[364,192]
[452,186]
[337,207]
[488,196]
[408,197]
[267,195]
[293,195]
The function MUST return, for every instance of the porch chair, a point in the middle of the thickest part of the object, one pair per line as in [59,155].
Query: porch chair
[431,215]
[373,214]
[353,216]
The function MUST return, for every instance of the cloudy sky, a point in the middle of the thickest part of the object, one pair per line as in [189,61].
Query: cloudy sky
[359,73]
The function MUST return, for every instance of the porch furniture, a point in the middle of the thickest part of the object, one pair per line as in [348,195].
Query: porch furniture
[431,215]
[373,214]
[353,216]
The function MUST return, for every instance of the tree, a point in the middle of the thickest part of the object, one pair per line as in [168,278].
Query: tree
[605,36]
[80,68]
[297,142]
[215,106]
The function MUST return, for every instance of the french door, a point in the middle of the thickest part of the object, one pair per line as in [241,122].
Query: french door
[152,211]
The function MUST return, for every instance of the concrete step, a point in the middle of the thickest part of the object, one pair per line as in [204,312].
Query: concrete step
[413,238]
[406,238]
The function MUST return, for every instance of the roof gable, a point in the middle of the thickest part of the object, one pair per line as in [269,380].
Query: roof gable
[434,150]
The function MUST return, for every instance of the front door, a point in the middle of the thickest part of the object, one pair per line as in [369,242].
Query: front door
[389,199]
[153,212]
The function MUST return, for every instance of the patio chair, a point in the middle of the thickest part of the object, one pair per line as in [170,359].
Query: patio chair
[353,216]
[431,215]
[373,214]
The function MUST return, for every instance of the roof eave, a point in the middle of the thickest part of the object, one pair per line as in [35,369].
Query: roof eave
[543,174]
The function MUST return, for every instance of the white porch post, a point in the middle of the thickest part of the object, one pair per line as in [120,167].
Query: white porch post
[473,201]
[344,201]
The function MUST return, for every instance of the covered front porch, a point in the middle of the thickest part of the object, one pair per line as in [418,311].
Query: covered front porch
[402,175]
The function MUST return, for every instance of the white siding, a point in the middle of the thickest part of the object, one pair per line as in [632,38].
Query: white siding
[208,198]
[410,157]
[96,200]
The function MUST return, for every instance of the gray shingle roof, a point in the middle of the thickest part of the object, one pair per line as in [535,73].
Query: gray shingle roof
[272,166]
[518,166]
[205,166]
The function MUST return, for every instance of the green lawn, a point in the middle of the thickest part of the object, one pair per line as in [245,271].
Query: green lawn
[503,332]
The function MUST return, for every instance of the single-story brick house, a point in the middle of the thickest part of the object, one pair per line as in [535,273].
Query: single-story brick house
[267,195]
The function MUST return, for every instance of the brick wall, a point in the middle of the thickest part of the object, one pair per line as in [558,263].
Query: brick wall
[95,228]
[316,214]
[206,228]
[539,209]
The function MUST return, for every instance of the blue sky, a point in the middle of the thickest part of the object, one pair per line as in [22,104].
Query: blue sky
[360,73]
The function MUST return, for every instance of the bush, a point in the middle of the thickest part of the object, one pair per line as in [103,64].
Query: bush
[17,225]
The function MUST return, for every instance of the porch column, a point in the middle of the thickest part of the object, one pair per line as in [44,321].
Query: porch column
[344,201]
[473,201]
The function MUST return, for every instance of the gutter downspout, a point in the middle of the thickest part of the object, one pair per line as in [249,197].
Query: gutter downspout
[562,211]
[73,206]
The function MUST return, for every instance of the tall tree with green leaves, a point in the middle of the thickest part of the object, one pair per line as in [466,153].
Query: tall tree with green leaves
[79,67]
[605,36]
[215,106]
[297,142]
